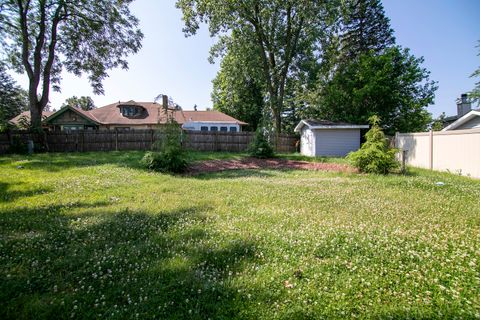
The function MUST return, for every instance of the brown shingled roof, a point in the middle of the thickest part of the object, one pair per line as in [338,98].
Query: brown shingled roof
[26,115]
[153,113]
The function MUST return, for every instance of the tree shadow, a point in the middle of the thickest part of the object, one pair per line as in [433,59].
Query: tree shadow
[55,162]
[57,264]
[234,174]
[8,195]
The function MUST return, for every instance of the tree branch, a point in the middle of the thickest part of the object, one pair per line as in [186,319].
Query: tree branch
[51,56]
[25,37]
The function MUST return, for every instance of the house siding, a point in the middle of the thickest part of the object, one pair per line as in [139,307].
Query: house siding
[472,124]
[197,125]
[70,118]
[336,142]
[307,142]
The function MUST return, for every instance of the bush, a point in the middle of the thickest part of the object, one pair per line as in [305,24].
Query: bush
[170,155]
[260,147]
[374,156]
[173,161]
[18,146]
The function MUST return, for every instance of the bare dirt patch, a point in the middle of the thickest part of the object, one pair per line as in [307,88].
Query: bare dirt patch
[253,163]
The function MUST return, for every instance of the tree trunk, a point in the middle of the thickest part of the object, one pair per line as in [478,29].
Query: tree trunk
[277,117]
[34,106]
[35,116]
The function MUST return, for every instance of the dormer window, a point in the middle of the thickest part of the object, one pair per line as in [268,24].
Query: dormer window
[130,111]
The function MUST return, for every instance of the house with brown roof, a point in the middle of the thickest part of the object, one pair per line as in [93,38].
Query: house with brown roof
[23,119]
[133,115]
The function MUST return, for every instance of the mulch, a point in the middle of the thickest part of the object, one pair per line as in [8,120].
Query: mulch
[254,163]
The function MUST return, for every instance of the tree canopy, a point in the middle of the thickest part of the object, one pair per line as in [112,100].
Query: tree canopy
[334,60]
[238,88]
[43,37]
[364,28]
[392,86]
[366,74]
[84,102]
[475,93]
[13,99]
[279,29]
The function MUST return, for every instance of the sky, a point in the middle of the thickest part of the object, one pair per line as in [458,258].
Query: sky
[444,32]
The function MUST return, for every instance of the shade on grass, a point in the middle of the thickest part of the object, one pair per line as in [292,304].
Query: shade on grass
[95,236]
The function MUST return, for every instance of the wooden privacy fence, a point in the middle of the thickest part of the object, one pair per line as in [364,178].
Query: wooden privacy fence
[457,151]
[82,141]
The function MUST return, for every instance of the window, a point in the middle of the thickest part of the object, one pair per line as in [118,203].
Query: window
[203,128]
[122,128]
[213,128]
[129,111]
[233,129]
[72,127]
[224,129]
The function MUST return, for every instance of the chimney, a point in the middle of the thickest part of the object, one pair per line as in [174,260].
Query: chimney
[463,105]
[165,102]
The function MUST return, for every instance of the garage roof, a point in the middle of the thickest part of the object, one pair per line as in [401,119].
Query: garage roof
[326,124]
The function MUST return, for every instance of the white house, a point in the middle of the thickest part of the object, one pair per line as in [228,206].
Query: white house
[327,138]
[211,121]
[471,120]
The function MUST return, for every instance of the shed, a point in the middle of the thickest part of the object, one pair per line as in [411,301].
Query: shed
[327,138]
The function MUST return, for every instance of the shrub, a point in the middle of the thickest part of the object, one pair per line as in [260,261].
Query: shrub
[18,146]
[374,156]
[169,154]
[260,147]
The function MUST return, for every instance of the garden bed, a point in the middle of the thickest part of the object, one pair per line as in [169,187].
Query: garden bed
[253,163]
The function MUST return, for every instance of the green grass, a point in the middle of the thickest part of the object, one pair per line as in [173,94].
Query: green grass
[94,236]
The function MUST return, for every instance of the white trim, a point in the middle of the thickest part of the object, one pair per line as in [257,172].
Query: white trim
[343,126]
[303,123]
[467,117]
[300,126]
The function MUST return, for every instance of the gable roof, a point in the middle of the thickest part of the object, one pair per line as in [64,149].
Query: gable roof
[464,119]
[84,114]
[326,124]
[26,115]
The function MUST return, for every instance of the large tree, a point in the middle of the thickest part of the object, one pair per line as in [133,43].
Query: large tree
[13,99]
[365,73]
[392,85]
[238,88]
[364,28]
[280,29]
[84,102]
[475,93]
[41,37]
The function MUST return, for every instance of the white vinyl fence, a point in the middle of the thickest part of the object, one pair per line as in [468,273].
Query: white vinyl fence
[457,151]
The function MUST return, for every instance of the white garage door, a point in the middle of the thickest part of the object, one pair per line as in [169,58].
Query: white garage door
[336,142]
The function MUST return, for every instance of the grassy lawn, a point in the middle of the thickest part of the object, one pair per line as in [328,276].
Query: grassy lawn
[95,236]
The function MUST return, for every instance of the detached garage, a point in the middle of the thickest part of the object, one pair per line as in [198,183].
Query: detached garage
[327,138]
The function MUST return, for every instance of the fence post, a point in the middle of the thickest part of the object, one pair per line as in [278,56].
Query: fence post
[10,137]
[151,139]
[404,157]
[116,139]
[430,152]
[83,140]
